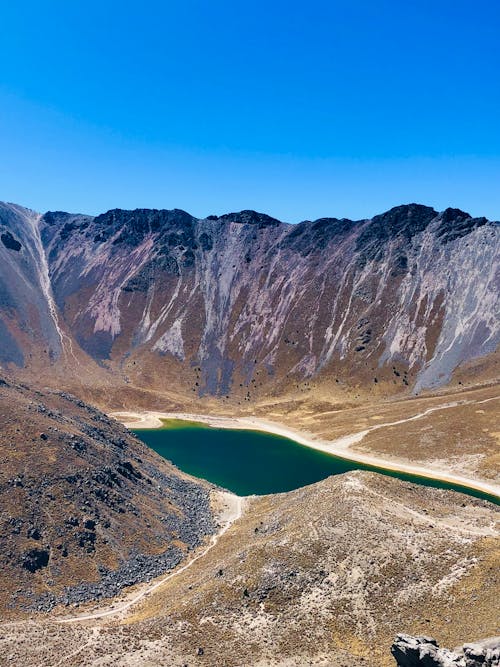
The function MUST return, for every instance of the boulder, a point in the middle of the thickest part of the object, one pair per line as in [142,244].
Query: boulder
[411,651]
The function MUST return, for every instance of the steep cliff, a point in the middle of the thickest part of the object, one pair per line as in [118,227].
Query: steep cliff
[246,305]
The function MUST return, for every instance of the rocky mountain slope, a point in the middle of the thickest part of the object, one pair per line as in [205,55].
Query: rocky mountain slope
[243,305]
[325,575]
[245,314]
[85,508]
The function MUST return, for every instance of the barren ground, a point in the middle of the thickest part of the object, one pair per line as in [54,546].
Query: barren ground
[325,575]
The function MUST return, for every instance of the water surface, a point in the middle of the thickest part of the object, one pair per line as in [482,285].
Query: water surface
[253,462]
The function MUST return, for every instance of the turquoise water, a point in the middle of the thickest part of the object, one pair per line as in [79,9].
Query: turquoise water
[253,462]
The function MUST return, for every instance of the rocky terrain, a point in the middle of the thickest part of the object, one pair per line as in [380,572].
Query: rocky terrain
[424,651]
[244,306]
[324,575]
[330,327]
[86,509]
[324,325]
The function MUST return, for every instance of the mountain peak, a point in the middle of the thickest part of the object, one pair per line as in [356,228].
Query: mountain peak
[144,215]
[456,223]
[396,215]
[454,214]
[249,217]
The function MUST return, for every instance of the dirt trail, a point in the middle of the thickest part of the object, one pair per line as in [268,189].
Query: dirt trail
[234,504]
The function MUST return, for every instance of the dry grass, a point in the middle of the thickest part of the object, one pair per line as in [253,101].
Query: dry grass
[324,575]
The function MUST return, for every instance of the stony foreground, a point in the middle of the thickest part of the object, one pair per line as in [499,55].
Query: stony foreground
[85,508]
[325,575]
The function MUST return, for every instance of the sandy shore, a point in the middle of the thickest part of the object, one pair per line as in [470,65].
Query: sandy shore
[338,447]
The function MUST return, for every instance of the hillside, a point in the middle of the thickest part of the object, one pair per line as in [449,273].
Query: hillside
[386,327]
[86,508]
[325,575]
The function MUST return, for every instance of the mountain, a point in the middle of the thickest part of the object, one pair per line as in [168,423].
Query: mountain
[384,330]
[245,306]
[86,508]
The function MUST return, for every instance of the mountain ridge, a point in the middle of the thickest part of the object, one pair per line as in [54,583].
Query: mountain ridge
[330,327]
[255,304]
[450,213]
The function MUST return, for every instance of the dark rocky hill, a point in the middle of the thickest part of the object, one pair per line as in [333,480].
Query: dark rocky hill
[85,508]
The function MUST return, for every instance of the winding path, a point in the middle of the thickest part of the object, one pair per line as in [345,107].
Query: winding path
[234,504]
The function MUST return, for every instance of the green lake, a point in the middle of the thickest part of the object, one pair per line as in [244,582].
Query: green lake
[252,462]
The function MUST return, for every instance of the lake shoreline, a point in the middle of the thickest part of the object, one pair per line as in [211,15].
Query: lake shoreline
[340,447]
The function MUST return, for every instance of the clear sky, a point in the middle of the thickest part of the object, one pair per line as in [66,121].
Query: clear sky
[299,109]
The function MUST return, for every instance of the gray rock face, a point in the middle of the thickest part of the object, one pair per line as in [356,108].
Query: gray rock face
[28,317]
[248,300]
[411,651]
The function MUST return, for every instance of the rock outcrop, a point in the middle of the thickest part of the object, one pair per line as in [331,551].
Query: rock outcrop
[411,651]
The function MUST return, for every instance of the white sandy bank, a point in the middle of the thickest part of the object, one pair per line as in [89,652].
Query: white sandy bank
[338,447]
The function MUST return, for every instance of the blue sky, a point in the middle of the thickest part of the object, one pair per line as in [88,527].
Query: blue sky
[301,110]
